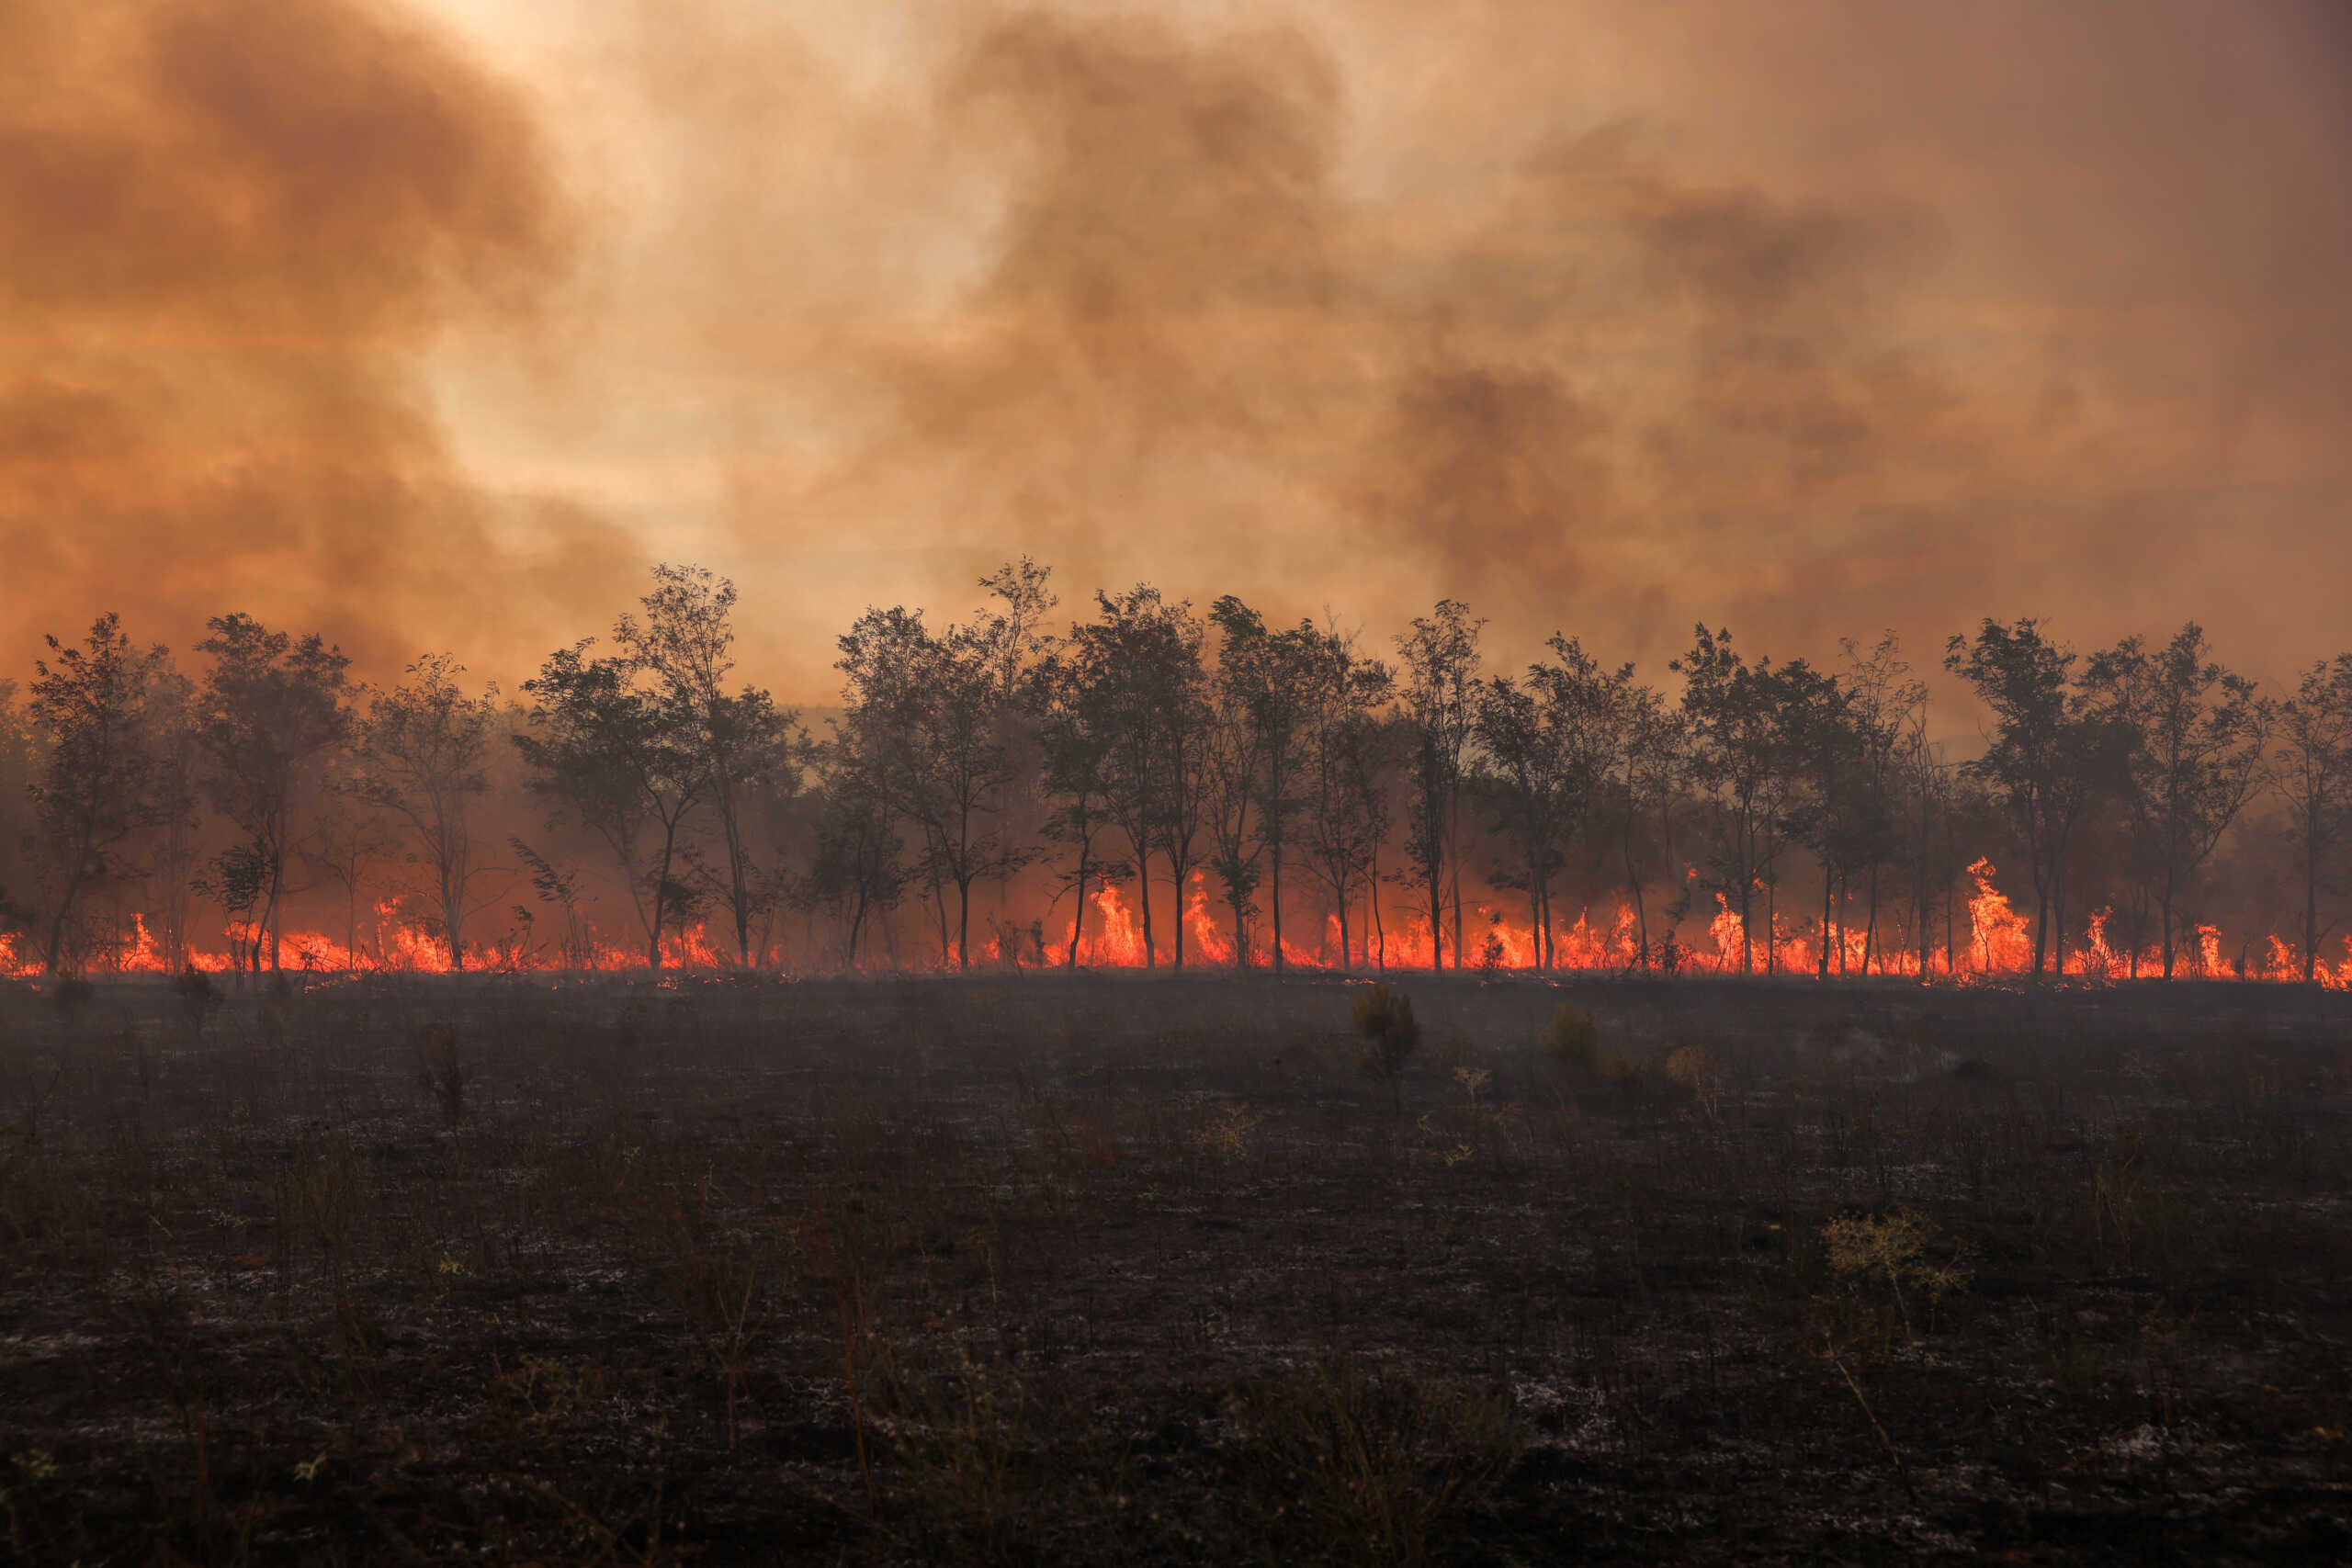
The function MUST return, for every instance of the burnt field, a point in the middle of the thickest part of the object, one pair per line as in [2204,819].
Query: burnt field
[1118,1270]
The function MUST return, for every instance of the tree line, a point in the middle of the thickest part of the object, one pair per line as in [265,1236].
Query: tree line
[1008,765]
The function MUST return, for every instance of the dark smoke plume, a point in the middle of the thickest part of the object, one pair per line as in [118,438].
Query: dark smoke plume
[230,232]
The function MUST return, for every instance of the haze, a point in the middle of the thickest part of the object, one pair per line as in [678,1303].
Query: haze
[430,326]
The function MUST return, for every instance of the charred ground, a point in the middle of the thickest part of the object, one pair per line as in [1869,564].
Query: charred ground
[1083,1269]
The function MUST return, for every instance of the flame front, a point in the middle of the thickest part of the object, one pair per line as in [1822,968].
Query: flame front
[1999,944]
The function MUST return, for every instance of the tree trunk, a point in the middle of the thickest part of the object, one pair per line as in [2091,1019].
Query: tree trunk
[660,909]
[2164,920]
[1826,916]
[2310,910]
[65,907]
[1870,937]
[1276,896]
[1078,926]
[2058,922]
[1143,897]
[276,886]
[964,921]
[453,909]
[1746,919]
[1454,858]
[1184,913]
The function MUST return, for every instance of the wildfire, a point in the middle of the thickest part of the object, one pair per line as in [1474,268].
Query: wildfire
[1728,933]
[1209,945]
[393,948]
[2000,943]
[1997,940]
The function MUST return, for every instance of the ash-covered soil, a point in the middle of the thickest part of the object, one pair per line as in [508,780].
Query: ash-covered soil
[1122,1270]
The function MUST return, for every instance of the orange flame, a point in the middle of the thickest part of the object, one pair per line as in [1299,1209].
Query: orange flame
[1997,941]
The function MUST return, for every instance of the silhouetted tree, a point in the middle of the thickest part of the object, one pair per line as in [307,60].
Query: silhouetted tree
[171,845]
[1586,716]
[1748,724]
[1439,702]
[1074,757]
[421,752]
[2191,737]
[1830,811]
[2311,770]
[93,796]
[929,717]
[684,647]
[1927,784]
[1518,773]
[1134,671]
[2048,757]
[858,873]
[273,711]
[1882,701]
[1648,767]
[1234,751]
[1273,684]
[345,838]
[1350,755]
[629,764]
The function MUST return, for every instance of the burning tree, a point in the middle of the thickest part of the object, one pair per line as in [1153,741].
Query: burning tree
[928,721]
[2050,756]
[1884,705]
[1439,711]
[629,763]
[1135,674]
[1235,753]
[273,709]
[1747,724]
[1350,753]
[859,872]
[1074,753]
[1646,772]
[1272,689]
[2313,774]
[1832,810]
[421,753]
[1544,746]
[93,796]
[741,739]
[2191,737]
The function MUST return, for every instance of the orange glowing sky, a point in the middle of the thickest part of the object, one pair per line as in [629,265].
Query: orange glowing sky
[431,324]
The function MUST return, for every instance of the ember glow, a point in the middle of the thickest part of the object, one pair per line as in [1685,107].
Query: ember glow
[1996,946]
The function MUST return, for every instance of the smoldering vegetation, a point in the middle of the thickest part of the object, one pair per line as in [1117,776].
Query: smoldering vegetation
[1149,1269]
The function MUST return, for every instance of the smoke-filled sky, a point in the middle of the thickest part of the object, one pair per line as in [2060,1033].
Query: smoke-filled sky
[431,324]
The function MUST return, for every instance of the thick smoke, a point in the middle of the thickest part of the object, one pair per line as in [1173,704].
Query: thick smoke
[1597,320]
[1814,318]
[231,231]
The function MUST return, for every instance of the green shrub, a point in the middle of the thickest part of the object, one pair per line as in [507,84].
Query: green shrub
[1573,1040]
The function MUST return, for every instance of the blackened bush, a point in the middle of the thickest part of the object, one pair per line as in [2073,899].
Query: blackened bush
[1573,1040]
[1384,1019]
